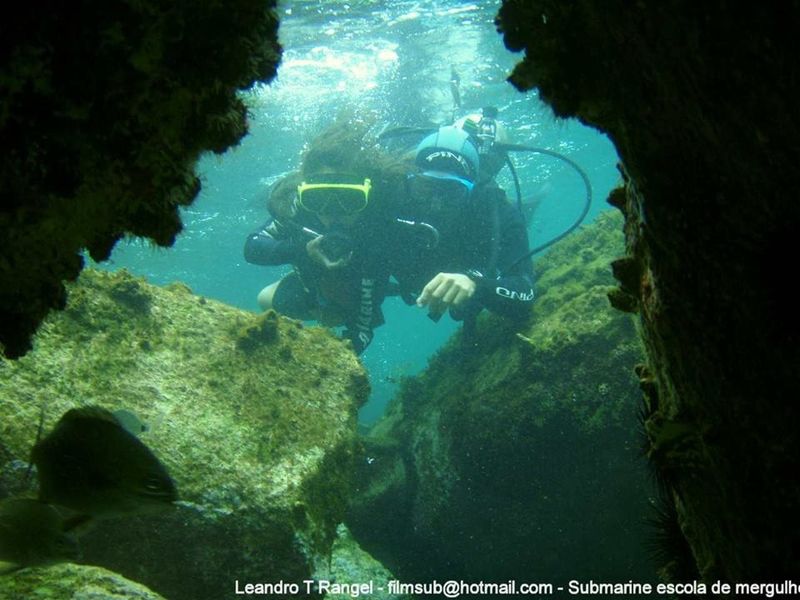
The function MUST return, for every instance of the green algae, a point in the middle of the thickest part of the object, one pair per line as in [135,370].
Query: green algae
[249,433]
[263,330]
[72,581]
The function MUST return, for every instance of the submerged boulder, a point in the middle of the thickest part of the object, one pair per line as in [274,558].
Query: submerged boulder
[516,453]
[254,417]
[77,582]
[352,566]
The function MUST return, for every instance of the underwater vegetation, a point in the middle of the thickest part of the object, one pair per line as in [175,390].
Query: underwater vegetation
[519,445]
[259,439]
[72,581]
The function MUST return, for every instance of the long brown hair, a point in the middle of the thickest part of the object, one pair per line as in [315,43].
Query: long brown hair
[348,146]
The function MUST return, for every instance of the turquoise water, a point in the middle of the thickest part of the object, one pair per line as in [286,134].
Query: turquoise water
[392,60]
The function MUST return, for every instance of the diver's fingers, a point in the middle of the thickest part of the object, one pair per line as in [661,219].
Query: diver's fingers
[427,291]
[338,264]
[445,285]
[463,295]
[452,294]
[315,252]
[313,245]
[466,288]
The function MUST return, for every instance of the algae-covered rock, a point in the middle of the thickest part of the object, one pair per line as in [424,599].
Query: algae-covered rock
[72,582]
[350,564]
[258,435]
[517,455]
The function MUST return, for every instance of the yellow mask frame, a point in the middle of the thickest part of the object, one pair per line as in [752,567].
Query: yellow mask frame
[334,198]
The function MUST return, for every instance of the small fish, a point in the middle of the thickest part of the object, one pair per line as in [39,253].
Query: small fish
[91,464]
[131,422]
[32,534]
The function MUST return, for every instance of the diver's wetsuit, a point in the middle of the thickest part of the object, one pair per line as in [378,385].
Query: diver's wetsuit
[487,237]
[483,240]
[273,244]
[349,296]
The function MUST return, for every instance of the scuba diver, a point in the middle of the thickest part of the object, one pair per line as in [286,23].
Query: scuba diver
[327,224]
[488,135]
[480,235]
[357,215]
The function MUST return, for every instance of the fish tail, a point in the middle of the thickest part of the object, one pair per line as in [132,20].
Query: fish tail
[36,443]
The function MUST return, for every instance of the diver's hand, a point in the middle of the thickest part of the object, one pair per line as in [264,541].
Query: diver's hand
[445,291]
[314,250]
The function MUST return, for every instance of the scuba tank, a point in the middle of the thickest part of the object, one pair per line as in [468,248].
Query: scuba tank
[487,130]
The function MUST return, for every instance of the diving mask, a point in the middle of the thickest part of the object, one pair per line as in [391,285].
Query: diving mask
[334,198]
[439,187]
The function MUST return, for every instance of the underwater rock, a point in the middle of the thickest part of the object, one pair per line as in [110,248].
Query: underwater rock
[699,101]
[263,329]
[76,582]
[517,455]
[33,534]
[351,564]
[261,448]
[93,154]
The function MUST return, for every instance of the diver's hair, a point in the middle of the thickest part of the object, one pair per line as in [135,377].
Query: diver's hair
[281,196]
[338,148]
[349,147]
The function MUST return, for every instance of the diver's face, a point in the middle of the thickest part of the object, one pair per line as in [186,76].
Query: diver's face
[330,220]
[440,193]
[336,199]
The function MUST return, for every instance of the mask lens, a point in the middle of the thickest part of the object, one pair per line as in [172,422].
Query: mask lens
[333,199]
[348,201]
[446,190]
[315,200]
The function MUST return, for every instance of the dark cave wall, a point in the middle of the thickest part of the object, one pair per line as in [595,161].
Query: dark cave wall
[699,100]
[104,109]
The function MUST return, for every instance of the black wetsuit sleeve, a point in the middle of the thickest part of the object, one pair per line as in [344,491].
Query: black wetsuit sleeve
[509,292]
[274,244]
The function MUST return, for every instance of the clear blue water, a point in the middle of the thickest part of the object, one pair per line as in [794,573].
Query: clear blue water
[392,59]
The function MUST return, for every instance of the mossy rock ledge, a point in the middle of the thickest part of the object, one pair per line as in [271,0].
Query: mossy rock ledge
[71,582]
[518,455]
[254,416]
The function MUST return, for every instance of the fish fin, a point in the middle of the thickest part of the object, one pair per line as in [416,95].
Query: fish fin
[35,443]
